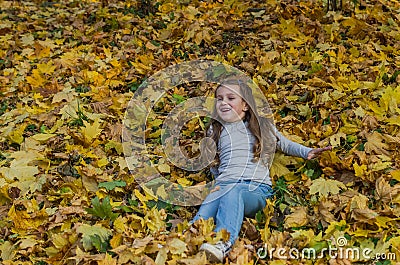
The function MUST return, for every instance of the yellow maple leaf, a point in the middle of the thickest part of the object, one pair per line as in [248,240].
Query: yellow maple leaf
[36,79]
[304,110]
[154,220]
[184,182]
[69,58]
[116,241]
[91,131]
[41,51]
[334,226]
[102,162]
[360,232]
[19,172]
[380,165]
[390,99]
[46,68]
[24,221]
[393,120]
[108,260]
[142,198]
[22,175]
[27,40]
[395,174]
[360,170]
[376,108]
[326,186]
[382,246]
[141,68]
[278,167]
[16,136]
[395,242]
[385,222]
[120,224]
[107,52]
[388,102]
[59,240]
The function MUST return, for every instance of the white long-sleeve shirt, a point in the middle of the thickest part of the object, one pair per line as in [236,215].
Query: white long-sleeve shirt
[235,148]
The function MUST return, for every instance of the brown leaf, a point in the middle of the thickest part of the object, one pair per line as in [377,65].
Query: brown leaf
[364,215]
[140,243]
[146,260]
[324,209]
[297,218]
[199,259]
[385,192]
[250,230]
[376,144]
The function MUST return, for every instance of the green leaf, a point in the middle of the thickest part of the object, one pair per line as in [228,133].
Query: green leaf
[112,184]
[102,209]
[99,243]
[309,172]
[178,98]
[94,236]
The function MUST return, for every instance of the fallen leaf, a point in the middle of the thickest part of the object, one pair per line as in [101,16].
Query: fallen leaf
[326,186]
[297,218]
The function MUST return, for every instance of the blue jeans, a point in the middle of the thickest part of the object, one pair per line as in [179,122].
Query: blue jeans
[229,204]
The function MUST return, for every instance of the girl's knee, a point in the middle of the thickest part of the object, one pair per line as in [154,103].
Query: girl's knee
[232,195]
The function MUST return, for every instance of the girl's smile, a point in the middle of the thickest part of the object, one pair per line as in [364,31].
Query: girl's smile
[230,105]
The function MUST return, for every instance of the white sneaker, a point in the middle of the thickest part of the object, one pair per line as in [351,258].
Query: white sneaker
[217,252]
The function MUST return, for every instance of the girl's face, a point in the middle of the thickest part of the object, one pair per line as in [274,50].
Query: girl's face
[230,105]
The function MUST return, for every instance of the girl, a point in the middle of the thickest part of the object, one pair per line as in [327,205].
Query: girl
[246,143]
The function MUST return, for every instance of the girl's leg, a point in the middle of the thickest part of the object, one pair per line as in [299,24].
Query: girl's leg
[209,206]
[240,201]
[206,211]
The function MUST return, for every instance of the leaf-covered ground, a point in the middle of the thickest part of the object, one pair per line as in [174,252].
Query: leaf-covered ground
[69,68]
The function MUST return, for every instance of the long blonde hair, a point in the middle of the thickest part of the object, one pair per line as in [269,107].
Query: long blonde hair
[262,128]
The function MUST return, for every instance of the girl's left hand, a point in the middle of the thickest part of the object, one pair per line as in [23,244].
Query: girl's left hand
[317,151]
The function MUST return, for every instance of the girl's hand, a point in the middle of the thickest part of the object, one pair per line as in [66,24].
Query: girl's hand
[317,151]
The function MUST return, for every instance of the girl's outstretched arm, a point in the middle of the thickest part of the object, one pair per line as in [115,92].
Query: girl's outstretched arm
[292,148]
[317,151]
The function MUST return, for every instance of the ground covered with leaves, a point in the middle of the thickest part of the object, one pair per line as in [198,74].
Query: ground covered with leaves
[69,68]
